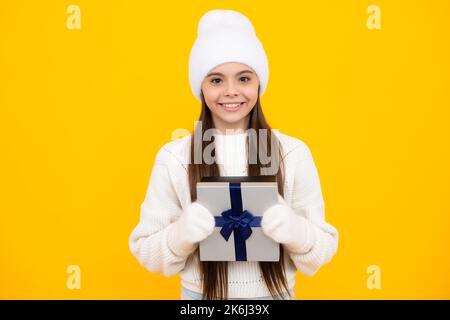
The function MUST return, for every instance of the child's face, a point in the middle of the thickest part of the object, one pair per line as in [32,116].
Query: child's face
[235,83]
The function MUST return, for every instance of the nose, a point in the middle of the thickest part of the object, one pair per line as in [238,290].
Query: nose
[231,90]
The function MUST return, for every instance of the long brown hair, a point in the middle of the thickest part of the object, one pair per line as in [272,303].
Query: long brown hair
[214,274]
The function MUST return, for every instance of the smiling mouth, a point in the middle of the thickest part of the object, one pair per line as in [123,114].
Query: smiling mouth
[231,106]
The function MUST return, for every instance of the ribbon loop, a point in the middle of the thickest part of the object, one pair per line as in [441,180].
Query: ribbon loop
[237,221]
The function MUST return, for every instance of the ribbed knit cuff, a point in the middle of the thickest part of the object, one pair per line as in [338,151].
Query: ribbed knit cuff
[308,263]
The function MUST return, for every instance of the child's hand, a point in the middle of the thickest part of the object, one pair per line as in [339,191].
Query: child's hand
[195,224]
[284,226]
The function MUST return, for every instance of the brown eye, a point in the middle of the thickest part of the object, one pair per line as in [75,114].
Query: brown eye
[248,79]
[214,80]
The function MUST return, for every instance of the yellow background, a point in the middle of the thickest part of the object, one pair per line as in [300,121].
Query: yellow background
[83,113]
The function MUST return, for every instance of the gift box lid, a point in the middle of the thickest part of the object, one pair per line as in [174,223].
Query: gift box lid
[235,179]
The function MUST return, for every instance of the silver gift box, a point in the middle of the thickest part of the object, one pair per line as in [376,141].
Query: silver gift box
[257,195]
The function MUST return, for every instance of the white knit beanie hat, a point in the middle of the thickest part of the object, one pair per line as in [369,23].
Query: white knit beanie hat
[226,36]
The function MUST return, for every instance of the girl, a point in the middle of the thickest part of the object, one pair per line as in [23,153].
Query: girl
[228,72]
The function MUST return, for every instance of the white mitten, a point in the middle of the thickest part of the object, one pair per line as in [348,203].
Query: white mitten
[284,226]
[195,224]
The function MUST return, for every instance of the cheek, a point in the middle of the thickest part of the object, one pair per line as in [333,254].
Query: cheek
[249,107]
[251,94]
[210,98]
[212,94]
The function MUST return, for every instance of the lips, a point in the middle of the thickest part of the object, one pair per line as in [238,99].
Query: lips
[232,106]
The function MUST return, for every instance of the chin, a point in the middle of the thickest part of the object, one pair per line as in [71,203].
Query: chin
[232,120]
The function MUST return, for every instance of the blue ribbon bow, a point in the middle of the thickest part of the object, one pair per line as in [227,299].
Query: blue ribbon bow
[238,220]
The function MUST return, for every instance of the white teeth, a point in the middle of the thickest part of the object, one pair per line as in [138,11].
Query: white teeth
[234,105]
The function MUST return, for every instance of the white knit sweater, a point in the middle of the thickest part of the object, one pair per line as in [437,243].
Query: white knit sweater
[168,195]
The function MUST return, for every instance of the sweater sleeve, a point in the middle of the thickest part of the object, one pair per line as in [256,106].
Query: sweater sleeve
[307,201]
[149,240]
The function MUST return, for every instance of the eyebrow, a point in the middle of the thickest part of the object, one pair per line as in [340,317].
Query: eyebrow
[220,74]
